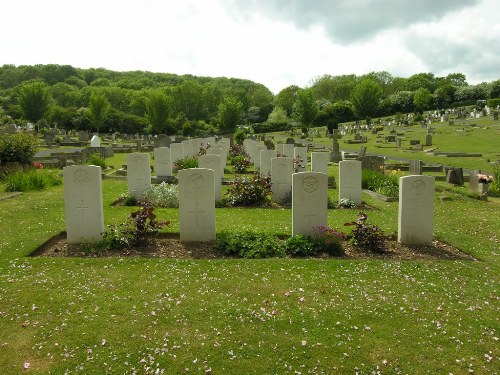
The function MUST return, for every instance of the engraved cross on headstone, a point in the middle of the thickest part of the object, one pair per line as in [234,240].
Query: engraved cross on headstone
[83,208]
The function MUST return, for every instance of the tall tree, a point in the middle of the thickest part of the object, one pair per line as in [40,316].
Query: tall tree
[366,98]
[98,110]
[230,111]
[421,99]
[34,99]
[286,98]
[158,110]
[305,107]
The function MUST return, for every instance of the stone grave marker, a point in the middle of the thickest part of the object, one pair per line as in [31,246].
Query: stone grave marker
[415,167]
[309,202]
[428,140]
[220,151]
[416,210]
[265,161]
[473,181]
[495,115]
[213,162]
[374,163]
[176,152]
[83,136]
[49,139]
[398,142]
[95,141]
[138,174]
[350,180]
[319,162]
[301,152]
[163,162]
[188,148]
[163,140]
[288,150]
[257,149]
[336,155]
[196,205]
[83,203]
[455,176]
[281,178]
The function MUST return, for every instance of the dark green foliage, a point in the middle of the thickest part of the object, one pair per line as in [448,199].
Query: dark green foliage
[240,164]
[323,240]
[249,191]
[385,184]
[18,147]
[239,136]
[367,237]
[130,200]
[34,99]
[32,180]
[268,127]
[187,162]
[300,245]
[96,159]
[249,244]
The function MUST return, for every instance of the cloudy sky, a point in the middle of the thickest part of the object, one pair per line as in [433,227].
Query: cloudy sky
[273,42]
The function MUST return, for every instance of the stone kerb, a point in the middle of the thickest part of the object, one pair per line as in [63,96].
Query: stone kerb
[281,178]
[163,162]
[416,210]
[138,174]
[83,203]
[309,202]
[350,180]
[213,162]
[196,205]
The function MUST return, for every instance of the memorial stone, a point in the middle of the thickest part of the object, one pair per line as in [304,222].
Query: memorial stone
[265,161]
[319,162]
[415,167]
[213,162]
[138,174]
[350,180]
[281,178]
[163,162]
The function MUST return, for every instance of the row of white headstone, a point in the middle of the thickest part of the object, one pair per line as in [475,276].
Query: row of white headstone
[85,218]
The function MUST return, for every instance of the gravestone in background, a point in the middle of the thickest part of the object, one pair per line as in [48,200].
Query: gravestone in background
[398,142]
[416,210]
[163,140]
[428,140]
[415,167]
[196,205]
[83,203]
[213,162]
[473,182]
[188,148]
[288,150]
[301,153]
[265,161]
[163,162]
[319,162]
[281,178]
[374,163]
[350,180]
[138,174]
[455,176]
[309,202]
[256,156]
[176,152]
[95,141]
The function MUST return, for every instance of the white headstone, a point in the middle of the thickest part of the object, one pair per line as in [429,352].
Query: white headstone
[138,174]
[416,210]
[281,178]
[188,148]
[319,162]
[163,162]
[309,202]
[176,152]
[279,148]
[83,203]
[300,152]
[95,141]
[265,161]
[196,205]
[213,162]
[288,150]
[219,150]
[350,180]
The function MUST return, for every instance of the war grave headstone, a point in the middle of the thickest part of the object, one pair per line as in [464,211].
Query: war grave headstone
[416,210]
[281,178]
[300,154]
[213,162]
[138,174]
[83,203]
[350,180]
[162,140]
[162,162]
[415,167]
[196,205]
[257,149]
[319,162]
[309,202]
[188,148]
[176,152]
[288,150]
[265,161]
[95,141]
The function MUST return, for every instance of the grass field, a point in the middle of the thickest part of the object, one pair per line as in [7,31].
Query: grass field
[284,316]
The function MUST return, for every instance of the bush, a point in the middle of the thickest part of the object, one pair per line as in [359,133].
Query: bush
[385,184]
[493,103]
[35,179]
[347,203]
[19,147]
[237,150]
[187,162]
[162,195]
[240,164]
[300,245]
[367,237]
[323,240]
[96,159]
[249,244]
[253,191]
[494,188]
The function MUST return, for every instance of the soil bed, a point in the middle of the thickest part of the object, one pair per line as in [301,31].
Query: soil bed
[169,246]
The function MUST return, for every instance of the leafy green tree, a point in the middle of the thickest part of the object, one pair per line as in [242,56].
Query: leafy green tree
[457,79]
[422,98]
[366,98]
[445,94]
[98,110]
[334,88]
[286,98]
[158,110]
[333,114]
[35,100]
[419,80]
[188,99]
[495,89]
[305,108]
[278,116]
[230,111]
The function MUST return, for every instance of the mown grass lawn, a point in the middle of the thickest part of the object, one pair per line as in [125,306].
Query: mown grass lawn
[283,316]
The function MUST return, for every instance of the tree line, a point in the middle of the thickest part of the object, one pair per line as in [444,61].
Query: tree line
[137,102]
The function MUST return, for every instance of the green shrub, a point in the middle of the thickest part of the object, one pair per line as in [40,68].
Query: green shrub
[385,184]
[323,240]
[187,162]
[248,244]
[18,147]
[36,179]
[494,188]
[240,164]
[249,191]
[367,237]
[96,159]
[162,195]
[493,103]
[237,150]
[300,245]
